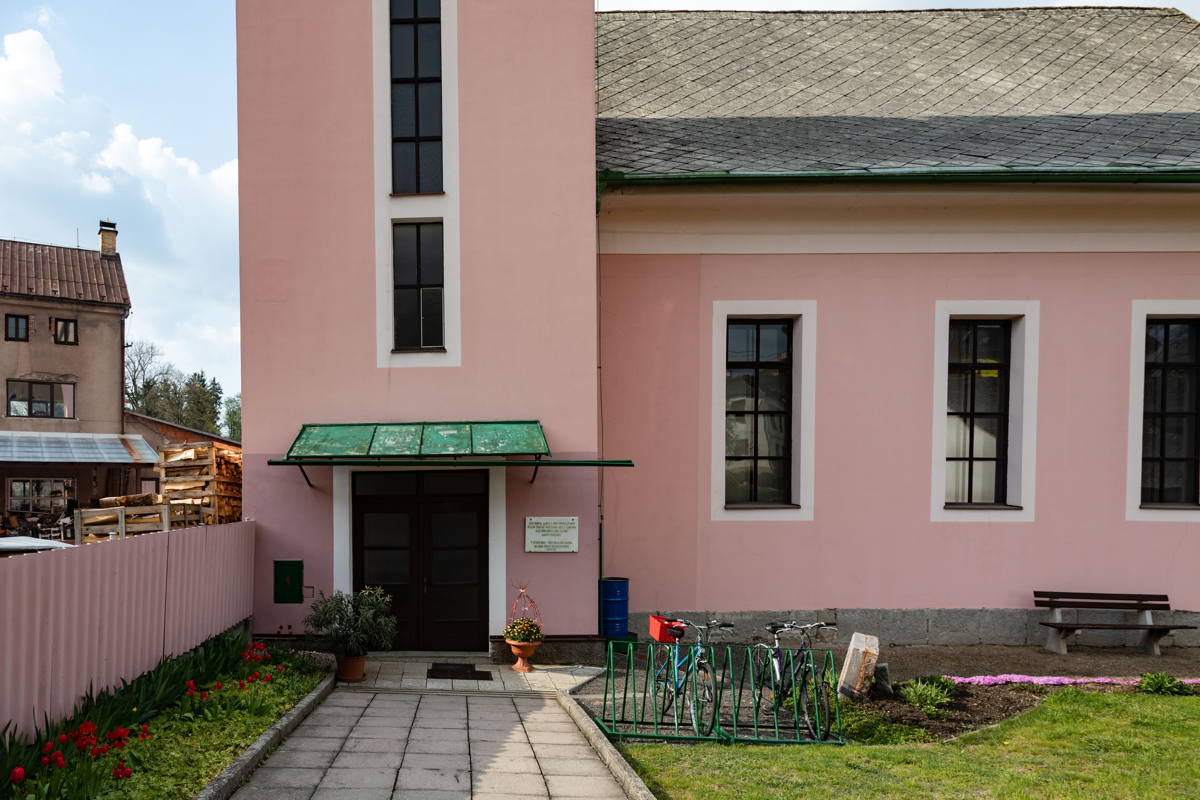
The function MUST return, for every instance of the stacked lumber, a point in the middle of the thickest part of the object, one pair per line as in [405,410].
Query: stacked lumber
[96,524]
[205,477]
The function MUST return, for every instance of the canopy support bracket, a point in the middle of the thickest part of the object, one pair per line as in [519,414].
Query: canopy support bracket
[537,463]
[305,474]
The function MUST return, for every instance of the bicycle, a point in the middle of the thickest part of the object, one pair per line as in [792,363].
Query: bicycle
[687,670]
[773,681]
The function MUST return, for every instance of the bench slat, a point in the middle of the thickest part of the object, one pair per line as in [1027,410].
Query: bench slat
[1111,606]
[1105,626]
[1102,596]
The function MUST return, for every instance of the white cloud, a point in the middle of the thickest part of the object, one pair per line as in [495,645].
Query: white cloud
[43,17]
[29,72]
[95,183]
[65,163]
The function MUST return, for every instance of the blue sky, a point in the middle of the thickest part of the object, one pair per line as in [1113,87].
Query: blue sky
[127,110]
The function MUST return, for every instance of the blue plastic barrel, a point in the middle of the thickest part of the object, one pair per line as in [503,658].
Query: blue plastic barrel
[614,607]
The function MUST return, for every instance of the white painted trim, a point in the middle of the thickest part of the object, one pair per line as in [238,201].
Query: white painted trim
[1142,309]
[444,207]
[803,434]
[1022,418]
[343,576]
[1038,218]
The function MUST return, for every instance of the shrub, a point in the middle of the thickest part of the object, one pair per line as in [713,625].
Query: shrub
[350,625]
[940,680]
[931,698]
[523,629]
[1162,683]
[868,727]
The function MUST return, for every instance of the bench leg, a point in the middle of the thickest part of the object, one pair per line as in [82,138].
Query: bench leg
[1149,642]
[1056,640]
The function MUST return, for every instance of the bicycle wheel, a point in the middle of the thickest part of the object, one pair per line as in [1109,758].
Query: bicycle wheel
[702,699]
[666,682]
[807,706]
[823,702]
[763,688]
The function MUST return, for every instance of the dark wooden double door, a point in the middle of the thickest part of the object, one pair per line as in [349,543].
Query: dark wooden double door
[422,536]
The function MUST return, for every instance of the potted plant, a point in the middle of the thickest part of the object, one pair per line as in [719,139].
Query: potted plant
[523,635]
[350,625]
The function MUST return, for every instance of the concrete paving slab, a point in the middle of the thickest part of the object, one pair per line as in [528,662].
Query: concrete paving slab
[375,746]
[358,778]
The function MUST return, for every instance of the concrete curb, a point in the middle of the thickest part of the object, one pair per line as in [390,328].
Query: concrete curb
[230,779]
[626,777]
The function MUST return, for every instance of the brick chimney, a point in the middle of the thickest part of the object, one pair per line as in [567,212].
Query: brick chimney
[108,238]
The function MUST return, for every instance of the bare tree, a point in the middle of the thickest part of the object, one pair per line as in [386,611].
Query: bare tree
[144,369]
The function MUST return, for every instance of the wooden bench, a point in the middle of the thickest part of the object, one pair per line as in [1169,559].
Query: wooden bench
[1142,604]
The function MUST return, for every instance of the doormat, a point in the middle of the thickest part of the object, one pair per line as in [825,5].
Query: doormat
[457,672]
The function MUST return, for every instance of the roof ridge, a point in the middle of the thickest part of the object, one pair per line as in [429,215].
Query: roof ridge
[1164,11]
[49,244]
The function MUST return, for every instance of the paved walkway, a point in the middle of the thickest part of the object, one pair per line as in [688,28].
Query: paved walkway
[408,672]
[361,745]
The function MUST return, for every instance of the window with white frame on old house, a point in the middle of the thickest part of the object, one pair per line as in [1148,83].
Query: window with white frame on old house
[977,411]
[66,331]
[417,288]
[1171,413]
[416,70]
[758,412]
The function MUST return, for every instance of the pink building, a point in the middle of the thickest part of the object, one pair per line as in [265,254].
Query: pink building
[897,314]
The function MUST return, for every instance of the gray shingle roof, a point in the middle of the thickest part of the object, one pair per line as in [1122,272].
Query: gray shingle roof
[1038,88]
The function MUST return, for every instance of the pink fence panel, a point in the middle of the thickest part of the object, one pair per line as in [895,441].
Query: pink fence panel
[91,616]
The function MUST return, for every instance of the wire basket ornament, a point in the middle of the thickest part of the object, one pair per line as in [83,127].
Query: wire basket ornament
[524,606]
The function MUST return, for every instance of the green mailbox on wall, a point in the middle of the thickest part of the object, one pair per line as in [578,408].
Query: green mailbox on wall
[289,581]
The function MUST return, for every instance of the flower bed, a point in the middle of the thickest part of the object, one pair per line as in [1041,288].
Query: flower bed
[1046,680]
[165,734]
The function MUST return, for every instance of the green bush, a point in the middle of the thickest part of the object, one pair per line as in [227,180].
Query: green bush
[1162,683]
[931,698]
[940,680]
[350,625]
[868,727]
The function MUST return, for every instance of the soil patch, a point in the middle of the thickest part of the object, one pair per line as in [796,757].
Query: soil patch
[906,662]
[973,707]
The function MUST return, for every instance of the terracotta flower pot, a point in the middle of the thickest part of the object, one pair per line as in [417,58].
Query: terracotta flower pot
[352,669]
[523,651]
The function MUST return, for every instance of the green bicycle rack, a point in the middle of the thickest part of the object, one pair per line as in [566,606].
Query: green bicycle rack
[654,691]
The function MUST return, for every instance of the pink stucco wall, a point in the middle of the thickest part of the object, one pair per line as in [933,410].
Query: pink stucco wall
[308,260]
[872,544]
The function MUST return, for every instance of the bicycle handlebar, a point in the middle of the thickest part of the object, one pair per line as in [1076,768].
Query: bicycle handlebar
[715,623]
[795,626]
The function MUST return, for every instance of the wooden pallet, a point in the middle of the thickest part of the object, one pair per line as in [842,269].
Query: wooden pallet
[97,524]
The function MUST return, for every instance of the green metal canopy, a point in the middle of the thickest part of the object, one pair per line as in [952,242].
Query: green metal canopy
[428,444]
[419,439]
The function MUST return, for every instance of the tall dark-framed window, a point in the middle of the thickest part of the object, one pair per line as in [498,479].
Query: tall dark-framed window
[758,412]
[66,331]
[16,327]
[977,423]
[416,32]
[418,288]
[1171,413]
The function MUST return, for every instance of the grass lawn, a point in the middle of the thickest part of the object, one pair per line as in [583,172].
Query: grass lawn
[1076,744]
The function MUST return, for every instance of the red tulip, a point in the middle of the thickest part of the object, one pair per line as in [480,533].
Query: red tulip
[17,775]
[204,695]
[45,761]
[145,728]
[62,738]
[47,747]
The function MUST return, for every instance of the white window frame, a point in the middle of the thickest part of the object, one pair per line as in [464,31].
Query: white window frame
[391,208]
[1022,408]
[804,370]
[1141,311]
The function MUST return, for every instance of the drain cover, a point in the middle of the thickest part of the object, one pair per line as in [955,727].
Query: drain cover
[458,672]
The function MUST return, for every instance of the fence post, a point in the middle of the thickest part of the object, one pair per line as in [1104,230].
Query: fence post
[78,527]
[165,510]
[121,522]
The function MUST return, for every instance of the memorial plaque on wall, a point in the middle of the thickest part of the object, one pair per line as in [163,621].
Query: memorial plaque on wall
[552,534]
